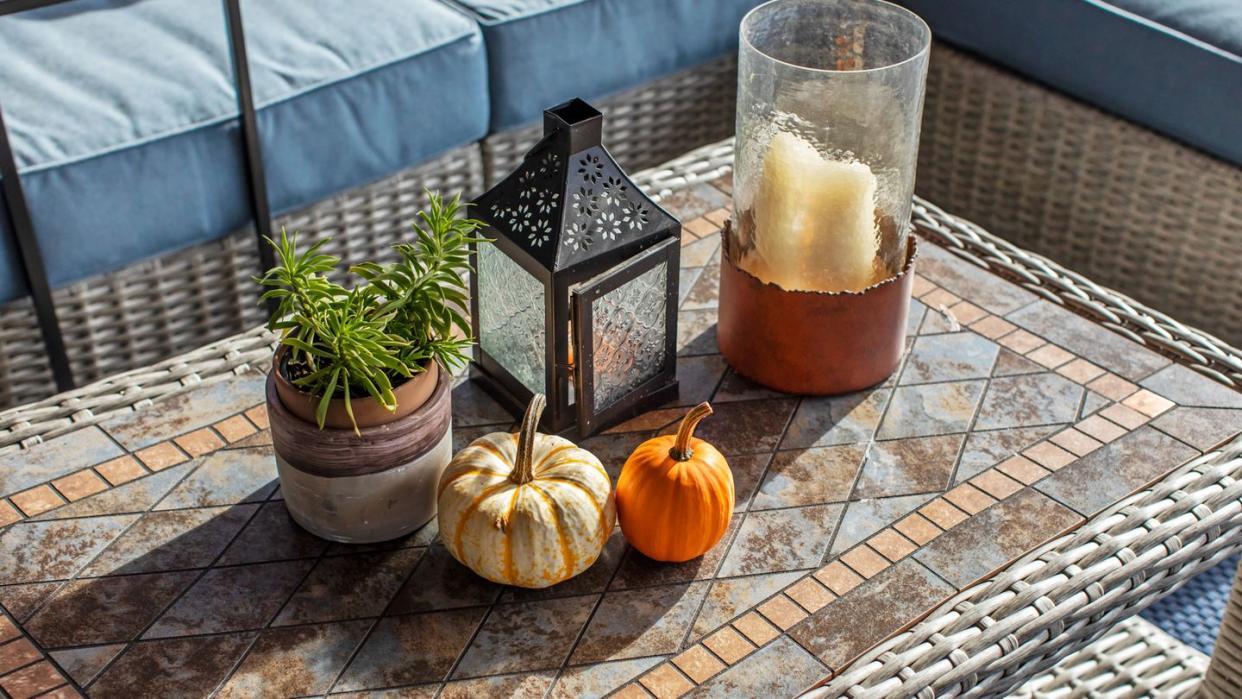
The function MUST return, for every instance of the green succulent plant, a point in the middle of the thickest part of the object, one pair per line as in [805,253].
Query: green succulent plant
[352,342]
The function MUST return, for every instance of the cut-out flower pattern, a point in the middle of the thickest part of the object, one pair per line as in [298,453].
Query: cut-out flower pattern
[591,168]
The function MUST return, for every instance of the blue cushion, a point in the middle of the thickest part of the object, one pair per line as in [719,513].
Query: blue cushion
[543,52]
[124,119]
[1172,66]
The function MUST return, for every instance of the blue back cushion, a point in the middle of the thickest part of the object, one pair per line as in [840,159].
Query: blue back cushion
[124,122]
[543,52]
[1171,66]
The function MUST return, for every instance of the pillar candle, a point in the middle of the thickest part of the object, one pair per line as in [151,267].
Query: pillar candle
[815,224]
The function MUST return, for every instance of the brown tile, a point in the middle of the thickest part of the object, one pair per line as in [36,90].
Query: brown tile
[665,682]
[1050,356]
[36,500]
[780,610]
[730,645]
[1126,417]
[810,476]
[1148,403]
[875,610]
[780,669]
[745,427]
[17,653]
[917,528]
[172,541]
[1021,341]
[906,466]
[1101,429]
[891,545]
[1049,455]
[1202,428]
[864,561]
[526,636]
[1088,339]
[1075,442]
[969,498]
[781,540]
[636,623]
[639,571]
[235,428]
[1106,475]
[1112,386]
[258,415]
[231,599]
[440,582]
[838,577]
[756,628]
[718,217]
[920,286]
[62,692]
[931,409]
[996,536]
[942,513]
[967,312]
[199,442]
[938,298]
[105,610]
[632,691]
[410,649]
[700,227]
[122,469]
[1080,371]
[996,484]
[161,456]
[809,594]
[8,513]
[1023,469]
[993,327]
[79,485]
[348,587]
[529,685]
[295,661]
[186,666]
[8,630]
[1029,400]
[30,681]
[698,664]
[82,664]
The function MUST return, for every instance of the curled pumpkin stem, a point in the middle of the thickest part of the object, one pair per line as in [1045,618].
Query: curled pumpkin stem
[681,450]
[524,469]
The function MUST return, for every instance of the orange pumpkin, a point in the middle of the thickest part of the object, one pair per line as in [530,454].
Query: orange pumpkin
[675,494]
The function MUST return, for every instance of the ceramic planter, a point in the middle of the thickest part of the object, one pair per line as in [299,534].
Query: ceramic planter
[373,486]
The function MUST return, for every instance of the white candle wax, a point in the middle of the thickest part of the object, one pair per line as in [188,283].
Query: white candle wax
[815,226]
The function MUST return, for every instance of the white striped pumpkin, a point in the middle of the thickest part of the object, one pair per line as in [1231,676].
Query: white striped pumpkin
[526,509]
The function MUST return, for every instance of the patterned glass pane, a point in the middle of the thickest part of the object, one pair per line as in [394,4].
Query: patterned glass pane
[511,313]
[628,325]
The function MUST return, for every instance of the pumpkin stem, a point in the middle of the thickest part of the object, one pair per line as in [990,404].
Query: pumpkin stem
[681,450]
[524,469]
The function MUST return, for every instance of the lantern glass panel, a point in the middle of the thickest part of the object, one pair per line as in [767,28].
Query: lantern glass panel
[511,317]
[628,326]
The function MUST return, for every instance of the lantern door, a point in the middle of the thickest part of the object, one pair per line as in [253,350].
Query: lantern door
[624,337]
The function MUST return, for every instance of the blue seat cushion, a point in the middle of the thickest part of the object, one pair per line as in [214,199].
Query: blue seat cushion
[543,52]
[1175,67]
[124,119]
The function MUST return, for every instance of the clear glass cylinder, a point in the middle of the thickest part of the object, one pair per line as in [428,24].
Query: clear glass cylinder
[830,100]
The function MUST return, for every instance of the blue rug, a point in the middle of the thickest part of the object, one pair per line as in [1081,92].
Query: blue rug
[1193,613]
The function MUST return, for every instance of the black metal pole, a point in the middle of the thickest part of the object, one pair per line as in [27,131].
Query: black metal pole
[32,264]
[255,177]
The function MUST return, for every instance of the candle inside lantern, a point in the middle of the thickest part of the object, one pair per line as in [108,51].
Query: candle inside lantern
[814,220]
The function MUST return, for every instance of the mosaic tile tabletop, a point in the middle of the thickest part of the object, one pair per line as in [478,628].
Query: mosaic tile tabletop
[152,555]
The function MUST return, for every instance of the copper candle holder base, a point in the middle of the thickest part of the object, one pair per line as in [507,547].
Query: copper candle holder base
[813,342]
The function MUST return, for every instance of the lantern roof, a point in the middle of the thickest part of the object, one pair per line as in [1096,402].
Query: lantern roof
[569,202]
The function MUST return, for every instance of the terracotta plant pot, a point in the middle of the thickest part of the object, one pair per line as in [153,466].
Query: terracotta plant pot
[361,488]
[411,394]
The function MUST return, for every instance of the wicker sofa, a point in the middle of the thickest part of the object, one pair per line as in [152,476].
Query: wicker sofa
[1142,212]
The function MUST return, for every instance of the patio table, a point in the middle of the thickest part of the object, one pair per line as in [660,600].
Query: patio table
[145,549]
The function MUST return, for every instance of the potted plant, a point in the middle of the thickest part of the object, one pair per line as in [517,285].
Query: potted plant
[359,391]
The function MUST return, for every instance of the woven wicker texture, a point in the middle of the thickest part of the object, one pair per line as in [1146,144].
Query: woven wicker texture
[157,308]
[1224,675]
[1134,659]
[1126,207]
[644,126]
[1064,595]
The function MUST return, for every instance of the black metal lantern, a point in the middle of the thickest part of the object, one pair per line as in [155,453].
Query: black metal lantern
[577,297]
